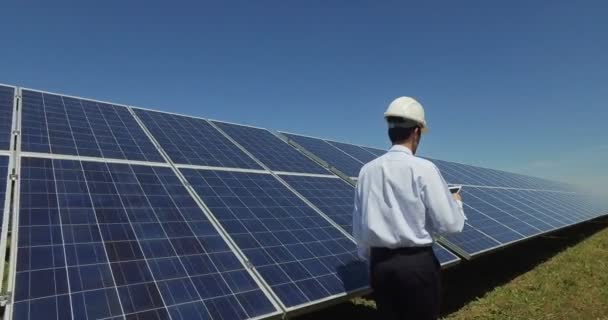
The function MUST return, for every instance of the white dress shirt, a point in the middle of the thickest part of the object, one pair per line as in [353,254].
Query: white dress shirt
[402,201]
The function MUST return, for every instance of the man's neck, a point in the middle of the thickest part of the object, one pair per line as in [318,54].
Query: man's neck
[408,144]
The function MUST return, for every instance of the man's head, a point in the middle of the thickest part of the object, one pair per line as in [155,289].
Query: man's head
[406,123]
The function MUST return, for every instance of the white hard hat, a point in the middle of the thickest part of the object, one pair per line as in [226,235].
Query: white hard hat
[407,108]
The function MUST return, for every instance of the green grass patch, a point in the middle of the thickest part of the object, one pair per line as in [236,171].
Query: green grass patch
[571,285]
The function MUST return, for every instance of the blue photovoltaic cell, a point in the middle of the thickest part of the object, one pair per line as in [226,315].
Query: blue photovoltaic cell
[335,198]
[7,95]
[3,177]
[301,256]
[194,141]
[328,153]
[100,240]
[354,151]
[63,125]
[270,150]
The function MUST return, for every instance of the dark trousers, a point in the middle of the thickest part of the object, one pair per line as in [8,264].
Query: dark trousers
[406,283]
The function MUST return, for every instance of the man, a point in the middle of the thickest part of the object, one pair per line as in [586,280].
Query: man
[401,202]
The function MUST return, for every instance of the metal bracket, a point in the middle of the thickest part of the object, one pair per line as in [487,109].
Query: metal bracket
[14,176]
[16,132]
[4,299]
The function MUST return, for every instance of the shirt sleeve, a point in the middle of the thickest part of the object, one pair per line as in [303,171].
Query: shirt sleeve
[359,225]
[445,213]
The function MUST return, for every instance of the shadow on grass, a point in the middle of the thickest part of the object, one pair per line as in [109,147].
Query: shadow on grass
[470,280]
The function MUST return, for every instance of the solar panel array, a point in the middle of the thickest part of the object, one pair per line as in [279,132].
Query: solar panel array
[136,214]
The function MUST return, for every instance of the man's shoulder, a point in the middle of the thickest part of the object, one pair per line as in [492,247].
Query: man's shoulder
[424,163]
[373,164]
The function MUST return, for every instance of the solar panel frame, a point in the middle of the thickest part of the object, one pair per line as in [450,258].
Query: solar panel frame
[9,158]
[10,154]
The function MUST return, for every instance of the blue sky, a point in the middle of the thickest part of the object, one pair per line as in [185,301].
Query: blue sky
[515,85]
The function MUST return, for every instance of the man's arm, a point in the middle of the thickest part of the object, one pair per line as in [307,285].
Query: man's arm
[358,224]
[444,209]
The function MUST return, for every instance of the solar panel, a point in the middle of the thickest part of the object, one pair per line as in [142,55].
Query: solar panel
[107,240]
[69,126]
[328,153]
[334,197]
[302,257]
[354,151]
[7,95]
[269,149]
[194,141]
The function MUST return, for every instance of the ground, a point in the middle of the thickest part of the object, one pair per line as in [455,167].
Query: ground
[560,276]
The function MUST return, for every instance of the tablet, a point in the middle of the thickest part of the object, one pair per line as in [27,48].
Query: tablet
[454,189]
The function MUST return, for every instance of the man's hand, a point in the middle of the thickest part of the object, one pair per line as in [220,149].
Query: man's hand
[456,196]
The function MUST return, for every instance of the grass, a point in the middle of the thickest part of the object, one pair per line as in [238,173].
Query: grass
[564,276]
[571,285]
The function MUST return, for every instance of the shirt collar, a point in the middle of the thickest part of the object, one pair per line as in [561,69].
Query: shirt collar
[401,148]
